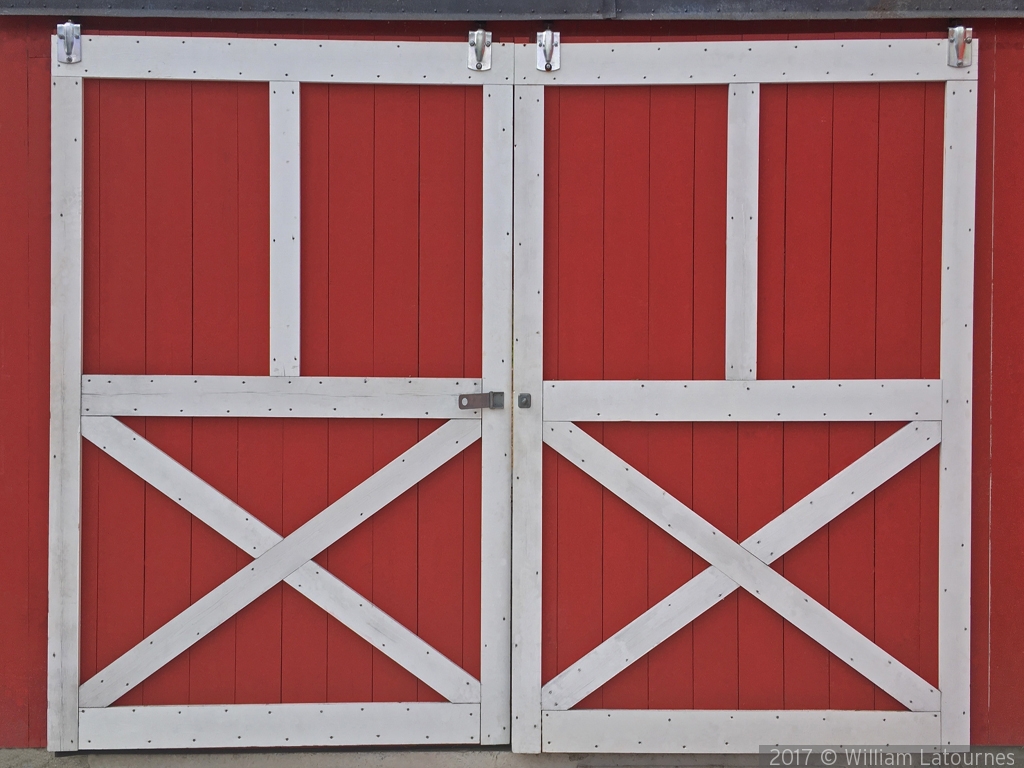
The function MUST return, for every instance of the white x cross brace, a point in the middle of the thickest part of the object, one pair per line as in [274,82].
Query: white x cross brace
[279,559]
[744,565]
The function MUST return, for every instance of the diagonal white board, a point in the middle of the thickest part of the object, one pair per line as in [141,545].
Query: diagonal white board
[742,567]
[771,542]
[250,535]
[277,563]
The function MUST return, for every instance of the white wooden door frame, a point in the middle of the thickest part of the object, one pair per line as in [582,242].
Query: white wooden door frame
[477,711]
[938,410]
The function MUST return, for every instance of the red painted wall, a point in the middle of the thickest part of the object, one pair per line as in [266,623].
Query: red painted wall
[997,663]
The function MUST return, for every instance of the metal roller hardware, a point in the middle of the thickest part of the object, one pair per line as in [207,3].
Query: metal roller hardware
[70,36]
[479,50]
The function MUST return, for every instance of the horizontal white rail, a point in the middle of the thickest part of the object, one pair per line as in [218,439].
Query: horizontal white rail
[766,61]
[276,396]
[278,725]
[777,400]
[702,731]
[266,59]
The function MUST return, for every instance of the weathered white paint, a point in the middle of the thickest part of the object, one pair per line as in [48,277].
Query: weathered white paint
[250,535]
[742,567]
[763,61]
[958,183]
[696,731]
[267,59]
[315,397]
[774,400]
[64,572]
[279,725]
[742,154]
[710,586]
[285,239]
[275,565]
[527,379]
[496,444]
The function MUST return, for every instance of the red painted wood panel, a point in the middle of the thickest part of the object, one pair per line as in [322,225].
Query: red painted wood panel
[997,671]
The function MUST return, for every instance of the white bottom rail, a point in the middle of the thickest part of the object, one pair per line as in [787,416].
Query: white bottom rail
[278,725]
[705,731]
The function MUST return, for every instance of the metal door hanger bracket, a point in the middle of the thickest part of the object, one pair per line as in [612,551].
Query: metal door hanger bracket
[960,52]
[477,400]
[548,57]
[70,35]
[479,50]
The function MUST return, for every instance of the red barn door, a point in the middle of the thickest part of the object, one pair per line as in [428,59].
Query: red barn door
[281,283]
[729,311]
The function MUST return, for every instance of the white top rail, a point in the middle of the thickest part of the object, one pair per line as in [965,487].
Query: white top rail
[766,61]
[264,60]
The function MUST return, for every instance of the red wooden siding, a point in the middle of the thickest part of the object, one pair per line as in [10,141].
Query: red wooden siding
[176,281]
[284,474]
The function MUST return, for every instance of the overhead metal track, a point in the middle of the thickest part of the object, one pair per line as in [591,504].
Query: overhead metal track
[511,10]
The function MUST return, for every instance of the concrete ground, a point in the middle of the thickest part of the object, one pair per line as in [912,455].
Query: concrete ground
[397,758]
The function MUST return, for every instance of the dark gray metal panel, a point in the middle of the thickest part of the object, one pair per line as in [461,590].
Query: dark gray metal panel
[536,10]
[432,10]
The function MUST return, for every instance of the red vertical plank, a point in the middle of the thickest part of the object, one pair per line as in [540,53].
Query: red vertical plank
[254,229]
[715,651]
[760,495]
[168,351]
[1005,668]
[14,386]
[315,232]
[90,363]
[982,479]
[38,318]
[670,460]
[395,353]
[472,366]
[852,356]
[898,355]
[805,446]
[931,287]
[350,335]
[442,258]
[304,625]
[549,470]
[626,305]
[580,345]
[258,626]
[215,351]
[122,224]
[759,501]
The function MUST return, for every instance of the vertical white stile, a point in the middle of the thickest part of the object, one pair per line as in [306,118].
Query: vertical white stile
[496,448]
[958,181]
[527,434]
[65,413]
[285,190]
[741,231]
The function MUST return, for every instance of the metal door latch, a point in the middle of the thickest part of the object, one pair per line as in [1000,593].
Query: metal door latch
[477,400]
[525,401]
[548,58]
[70,35]
[960,52]
[479,50]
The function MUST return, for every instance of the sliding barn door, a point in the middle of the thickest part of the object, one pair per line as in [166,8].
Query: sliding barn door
[280,500]
[743,321]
